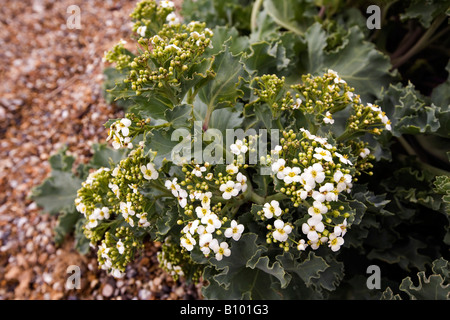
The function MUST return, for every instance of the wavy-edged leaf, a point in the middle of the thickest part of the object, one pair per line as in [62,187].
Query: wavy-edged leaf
[433,287]
[243,275]
[223,90]
[293,15]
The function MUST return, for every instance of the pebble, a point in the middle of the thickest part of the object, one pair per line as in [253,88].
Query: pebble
[107,290]
[49,100]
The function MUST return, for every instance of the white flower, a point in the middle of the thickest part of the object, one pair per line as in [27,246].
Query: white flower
[197,171]
[212,222]
[343,180]
[117,141]
[328,118]
[315,172]
[182,197]
[330,193]
[191,227]
[188,242]
[92,222]
[232,169]
[241,182]
[143,222]
[311,227]
[238,147]
[141,31]
[364,153]
[335,242]
[166,4]
[271,209]
[123,126]
[317,210]
[220,250]
[303,194]
[116,171]
[172,46]
[209,176]
[149,172]
[229,190]
[120,246]
[205,239]
[202,211]
[278,168]
[308,181]
[173,186]
[278,149]
[343,158]
[172,19]
[205,199]
[297,103]
[204,242]
[234,231]
[318,196]
[115,189]
[341,229]
[116,273]
[102,213]
[103,250]
[126,210]
[302,245]
[349,95]
[291,175]
[321,153]
[282,230]
[316,244]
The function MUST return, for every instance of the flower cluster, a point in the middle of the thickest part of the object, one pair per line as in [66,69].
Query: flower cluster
[312,174]
[119,133]
[206,225]
[112,197]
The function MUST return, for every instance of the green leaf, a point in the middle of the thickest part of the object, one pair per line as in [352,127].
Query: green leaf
[293,15]
[160,141]
[266,58]
[58,192]
[425,11]
[245,274]
[66,225]
[151,106]
[308,269]
[180,117]
[105,156]
[406,255]
[223,90]
[441,94]
[409,112]
[434,287]
[227,37]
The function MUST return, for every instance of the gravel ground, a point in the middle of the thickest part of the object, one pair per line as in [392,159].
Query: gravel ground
[50,96]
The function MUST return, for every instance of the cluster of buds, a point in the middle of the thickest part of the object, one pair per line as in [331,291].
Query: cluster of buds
[119,55]
[177,262]
[322,96]
[168,55]
[150,17]
[117,250]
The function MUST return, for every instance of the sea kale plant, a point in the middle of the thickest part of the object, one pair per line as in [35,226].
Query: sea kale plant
[265,154]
